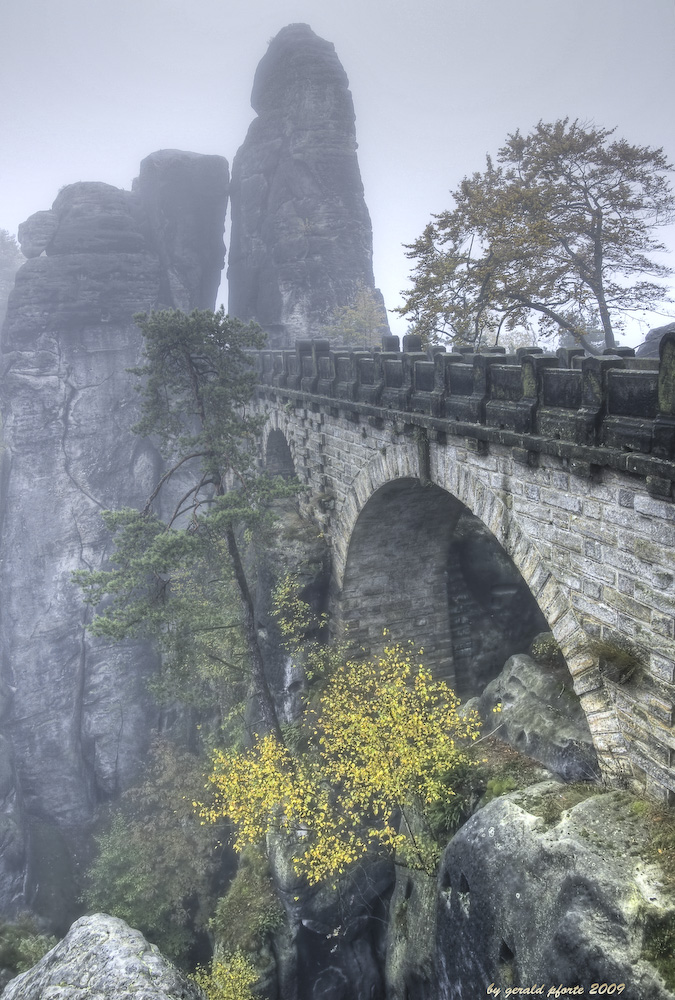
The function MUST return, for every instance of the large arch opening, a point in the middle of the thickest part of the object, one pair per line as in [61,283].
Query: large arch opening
[422,565]
[278,457]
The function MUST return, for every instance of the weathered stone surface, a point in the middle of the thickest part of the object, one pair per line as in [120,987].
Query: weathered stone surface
[520,901]
[102,958]
[301,235]
[36,232]
[540,716]
[297,550]
[80,719]
[335,949]
[185,196]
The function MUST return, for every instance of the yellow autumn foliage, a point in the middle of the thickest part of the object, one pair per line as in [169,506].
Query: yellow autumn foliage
[385,744]
[228,979]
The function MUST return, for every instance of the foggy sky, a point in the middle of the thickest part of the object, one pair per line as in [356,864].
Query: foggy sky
[90,87]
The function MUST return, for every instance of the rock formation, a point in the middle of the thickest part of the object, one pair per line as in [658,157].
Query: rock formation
[649,348]
[102,957]
[529,891]
[548,885]
[301,242]
[541,716]
[75,712]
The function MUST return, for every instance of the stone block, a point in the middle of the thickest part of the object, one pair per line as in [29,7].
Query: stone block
[591,509]
[627,605]
[594,610]
[664,534]
[655,508]
[663,625]
[556,498]
[648,551]
[662,668]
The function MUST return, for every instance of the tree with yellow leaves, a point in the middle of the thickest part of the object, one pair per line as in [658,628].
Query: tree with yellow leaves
[386,746]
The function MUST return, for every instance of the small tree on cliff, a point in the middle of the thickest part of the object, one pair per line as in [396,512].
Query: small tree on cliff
[559,227]
[386,749]
[171,578]
[360,324]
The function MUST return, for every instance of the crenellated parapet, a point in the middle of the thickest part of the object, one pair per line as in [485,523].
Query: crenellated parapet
[615,410]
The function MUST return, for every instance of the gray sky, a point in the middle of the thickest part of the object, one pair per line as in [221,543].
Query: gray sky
[90,87]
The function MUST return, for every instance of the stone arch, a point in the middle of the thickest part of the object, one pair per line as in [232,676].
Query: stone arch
[467,487]
[278,457]
[277,448]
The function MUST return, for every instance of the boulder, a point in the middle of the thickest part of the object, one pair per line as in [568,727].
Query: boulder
[649,348]
[301,243]
[102,958]
[537,889]
[541,716]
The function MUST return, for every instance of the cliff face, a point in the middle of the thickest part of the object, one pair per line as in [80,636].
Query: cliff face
[301,241]
[76,716]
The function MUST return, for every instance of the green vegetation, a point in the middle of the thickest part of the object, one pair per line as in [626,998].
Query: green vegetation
[558,229]
[180,579]
[499,786]
[360,324]
[555,802]
[22,945]
[250,911]
[156,863]
[545,650]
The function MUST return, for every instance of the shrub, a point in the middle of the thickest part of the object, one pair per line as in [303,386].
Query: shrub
[22,945]
[155,862]
[250,910]
[228,979]
[387,743]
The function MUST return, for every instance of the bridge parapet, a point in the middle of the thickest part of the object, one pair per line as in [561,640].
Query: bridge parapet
[615,410]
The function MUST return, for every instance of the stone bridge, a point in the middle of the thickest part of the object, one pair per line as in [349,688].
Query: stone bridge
[427,470]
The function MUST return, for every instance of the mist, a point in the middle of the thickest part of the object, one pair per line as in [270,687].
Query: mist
[89,88]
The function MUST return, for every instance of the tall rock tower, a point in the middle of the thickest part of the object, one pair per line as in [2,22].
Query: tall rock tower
[301,243]
[76,717]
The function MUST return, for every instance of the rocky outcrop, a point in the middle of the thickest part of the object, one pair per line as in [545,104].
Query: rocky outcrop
[548,886]
[79,719]
[301,241]
[540,715]
[333,947]
[649,348]
[536,890]
[102,957]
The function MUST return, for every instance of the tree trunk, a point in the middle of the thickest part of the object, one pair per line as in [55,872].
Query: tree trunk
[268,712]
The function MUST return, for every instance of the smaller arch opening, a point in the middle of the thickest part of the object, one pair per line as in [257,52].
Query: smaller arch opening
[278,457]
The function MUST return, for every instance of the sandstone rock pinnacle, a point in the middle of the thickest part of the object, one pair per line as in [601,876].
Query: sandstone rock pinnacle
[301,243]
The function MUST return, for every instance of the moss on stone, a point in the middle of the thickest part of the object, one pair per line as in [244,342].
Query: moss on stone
[250,911]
